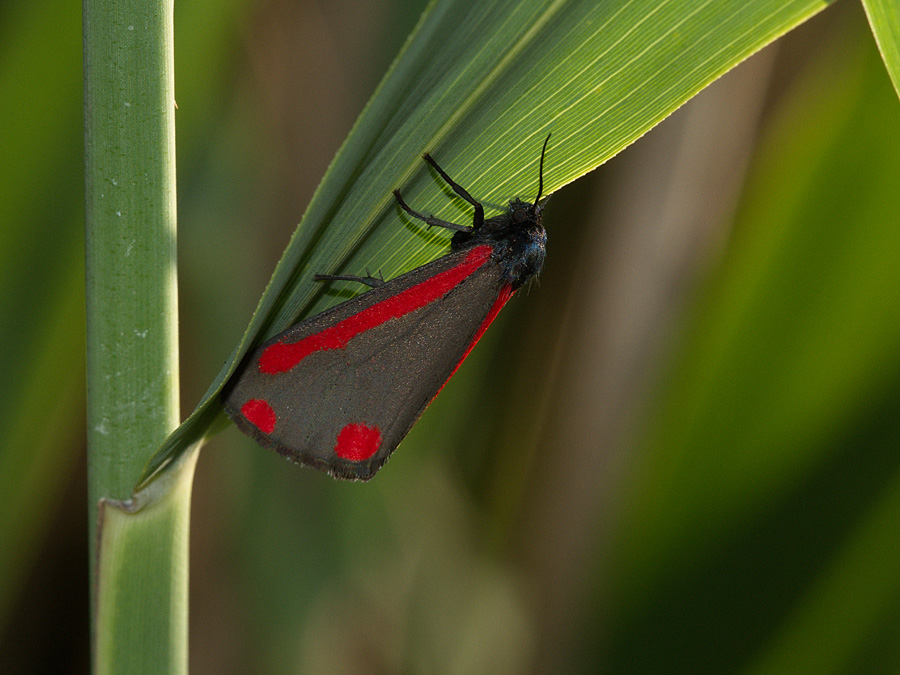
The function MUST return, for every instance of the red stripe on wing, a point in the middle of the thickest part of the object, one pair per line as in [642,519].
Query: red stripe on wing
[281,357]
[505,294]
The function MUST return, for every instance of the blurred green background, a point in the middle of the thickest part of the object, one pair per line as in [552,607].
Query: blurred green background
[680,452]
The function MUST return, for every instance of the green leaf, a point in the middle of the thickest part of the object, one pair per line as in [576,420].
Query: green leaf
[479,86]
[884,18]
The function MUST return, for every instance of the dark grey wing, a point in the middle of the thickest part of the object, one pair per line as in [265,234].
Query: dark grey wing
[345,406]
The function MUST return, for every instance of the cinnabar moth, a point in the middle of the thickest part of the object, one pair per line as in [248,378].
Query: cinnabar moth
[340,390]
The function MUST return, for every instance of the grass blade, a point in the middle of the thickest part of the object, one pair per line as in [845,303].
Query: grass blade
[884,19]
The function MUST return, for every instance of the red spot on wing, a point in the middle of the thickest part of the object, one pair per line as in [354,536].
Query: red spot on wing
[505,294]
[281,356]
[357,442]
[260,413]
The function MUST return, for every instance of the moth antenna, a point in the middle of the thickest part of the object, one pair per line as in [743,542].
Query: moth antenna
[541,172]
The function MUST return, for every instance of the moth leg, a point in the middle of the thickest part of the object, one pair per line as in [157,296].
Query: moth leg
[431,220]
[368,280]
[478,219]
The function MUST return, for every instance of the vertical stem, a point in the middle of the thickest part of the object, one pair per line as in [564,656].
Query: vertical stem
[132,346]
[130,239]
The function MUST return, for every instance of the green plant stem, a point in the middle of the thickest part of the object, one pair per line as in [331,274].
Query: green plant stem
[132,347]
